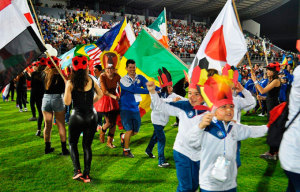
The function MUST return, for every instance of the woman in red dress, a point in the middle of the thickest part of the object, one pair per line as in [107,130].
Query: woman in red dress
[108,105]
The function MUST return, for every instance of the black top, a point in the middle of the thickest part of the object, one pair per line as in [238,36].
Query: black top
[21,84]
[272,98]
[57,85]
[83,100]
[37,83]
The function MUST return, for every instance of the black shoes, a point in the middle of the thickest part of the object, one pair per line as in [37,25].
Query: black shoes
[32,119]
[49,150]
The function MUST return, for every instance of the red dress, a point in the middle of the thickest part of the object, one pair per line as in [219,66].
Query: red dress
[106,103]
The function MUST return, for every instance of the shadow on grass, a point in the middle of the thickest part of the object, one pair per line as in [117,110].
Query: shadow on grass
[263,185]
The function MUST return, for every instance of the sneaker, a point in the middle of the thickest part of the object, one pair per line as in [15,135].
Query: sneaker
[150,155]
[20,110]
[77,174]
[86,179]
[174,124]
[269,156]
[17,106]
[128,154]
[49,150]
[261,115]
[122,140]
[32,119]
[38,133]
[25,109]
[164,165]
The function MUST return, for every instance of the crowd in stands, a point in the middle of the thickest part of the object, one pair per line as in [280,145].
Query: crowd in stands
[184,40]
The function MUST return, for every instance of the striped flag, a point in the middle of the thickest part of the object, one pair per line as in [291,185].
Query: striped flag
[94,54]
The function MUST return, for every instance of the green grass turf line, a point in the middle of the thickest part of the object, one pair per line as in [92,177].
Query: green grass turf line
[24,167]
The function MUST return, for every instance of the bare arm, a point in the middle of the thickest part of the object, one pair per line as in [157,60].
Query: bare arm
[269,87]
[68,93]
[98,91]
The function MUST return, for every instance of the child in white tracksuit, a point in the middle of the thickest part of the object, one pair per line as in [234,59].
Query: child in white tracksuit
[186,156]
[159,121]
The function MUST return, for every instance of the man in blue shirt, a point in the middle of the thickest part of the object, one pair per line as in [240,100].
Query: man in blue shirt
[132,85]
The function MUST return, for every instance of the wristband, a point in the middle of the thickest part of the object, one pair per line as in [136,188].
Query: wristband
[256,82]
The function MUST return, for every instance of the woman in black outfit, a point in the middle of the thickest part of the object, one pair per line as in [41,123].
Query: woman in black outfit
[52,104]
[83,118]
[37,93]
[272,90]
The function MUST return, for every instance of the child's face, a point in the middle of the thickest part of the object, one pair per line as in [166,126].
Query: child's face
[194,97]
[225,112]
[170,89]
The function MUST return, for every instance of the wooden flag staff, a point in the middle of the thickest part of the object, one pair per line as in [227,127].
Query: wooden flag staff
[38,25]
[247,53]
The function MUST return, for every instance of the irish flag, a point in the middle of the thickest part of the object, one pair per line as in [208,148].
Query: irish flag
[224,42]
[159,29]
[19,44]
[150,55]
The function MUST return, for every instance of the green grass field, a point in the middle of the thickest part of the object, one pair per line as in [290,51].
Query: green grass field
[25,167]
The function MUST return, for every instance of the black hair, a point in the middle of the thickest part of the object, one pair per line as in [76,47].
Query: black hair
[129,61]
[79,79]
[164,90]
[99,67]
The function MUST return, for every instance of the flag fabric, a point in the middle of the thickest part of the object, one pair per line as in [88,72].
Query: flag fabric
[106,41]
[24,8]
[94,54]
[119,38]
[5,91]
[159,29]
[224,42]
[127,38]
[66,58]
[284,60]
[19,44]
[150,55]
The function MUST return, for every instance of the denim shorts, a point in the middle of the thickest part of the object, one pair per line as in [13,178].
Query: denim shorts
[130,120]
[53,103]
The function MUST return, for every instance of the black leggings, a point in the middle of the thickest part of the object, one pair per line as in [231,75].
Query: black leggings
[86,123]
[36,99]
[21,99]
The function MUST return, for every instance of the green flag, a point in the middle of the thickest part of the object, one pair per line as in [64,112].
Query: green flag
[150,55]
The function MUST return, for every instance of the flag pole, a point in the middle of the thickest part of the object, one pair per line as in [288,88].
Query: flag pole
[247,53]
[38,24]
[265,51]
[166,48]
[166,25]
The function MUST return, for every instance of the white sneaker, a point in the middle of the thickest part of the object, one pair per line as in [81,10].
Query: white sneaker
[20,110]
[164,165]
[25,109]
[261,115]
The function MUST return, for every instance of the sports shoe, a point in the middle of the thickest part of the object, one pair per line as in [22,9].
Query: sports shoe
[77,174]
[261,115]
[122,140]
[128,154]
[25,109]
[269,156]
[150,155]
[38,133]
[20,110]
[86,179]
[32,119]
[164,165]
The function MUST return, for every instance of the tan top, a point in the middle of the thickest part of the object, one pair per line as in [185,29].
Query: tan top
[109,85]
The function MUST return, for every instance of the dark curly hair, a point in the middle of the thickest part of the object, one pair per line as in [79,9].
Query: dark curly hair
[79,79]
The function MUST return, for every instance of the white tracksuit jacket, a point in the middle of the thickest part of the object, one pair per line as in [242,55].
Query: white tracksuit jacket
[188,118]
[247,103]
[211,141]
[289,151]
[157,116]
